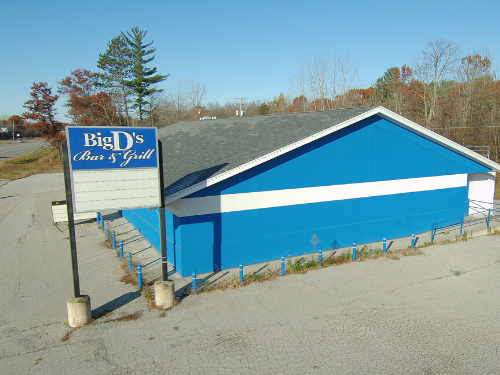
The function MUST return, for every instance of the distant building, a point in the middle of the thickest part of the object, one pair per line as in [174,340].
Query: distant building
[252,189]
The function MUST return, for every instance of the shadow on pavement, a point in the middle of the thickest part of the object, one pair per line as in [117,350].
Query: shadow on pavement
[115,304]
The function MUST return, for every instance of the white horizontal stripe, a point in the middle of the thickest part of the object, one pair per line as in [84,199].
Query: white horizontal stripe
[290,197]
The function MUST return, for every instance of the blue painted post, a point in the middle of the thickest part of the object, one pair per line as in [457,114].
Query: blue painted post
[107,231]
[114,239]
[320,252]
[489,215]
[194,282]
[413,241]
[129,262]
[462,226]
[102,223]
[98,217]
[139,276]
[241,273]
[121,250]
[282,266]
[384,246]
[432,234]
[354,252]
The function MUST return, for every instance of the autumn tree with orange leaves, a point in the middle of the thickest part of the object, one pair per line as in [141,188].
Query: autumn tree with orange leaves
[87,104]
[40,109]
[299,104]
[16,120]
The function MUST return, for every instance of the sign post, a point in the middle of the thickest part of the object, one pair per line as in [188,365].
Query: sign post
[71,221]
[111,168]
[163,225]
[164,289]
[79,310]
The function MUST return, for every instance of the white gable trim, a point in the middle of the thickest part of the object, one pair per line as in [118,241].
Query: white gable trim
[380,111]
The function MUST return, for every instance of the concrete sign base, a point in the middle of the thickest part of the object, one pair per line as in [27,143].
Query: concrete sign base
[79,311]
[164,294]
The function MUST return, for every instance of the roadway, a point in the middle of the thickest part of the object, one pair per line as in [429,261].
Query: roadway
[15,148]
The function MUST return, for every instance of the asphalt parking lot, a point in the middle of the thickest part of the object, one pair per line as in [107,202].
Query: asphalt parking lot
[437,313]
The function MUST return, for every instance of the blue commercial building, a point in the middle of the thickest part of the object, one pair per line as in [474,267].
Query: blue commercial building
[249,190]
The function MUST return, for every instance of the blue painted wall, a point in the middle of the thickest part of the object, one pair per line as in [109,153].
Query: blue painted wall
[371,150]
[255,236]
[147,222]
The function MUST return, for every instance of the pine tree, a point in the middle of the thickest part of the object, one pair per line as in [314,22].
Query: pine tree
[143,78]
[117,63]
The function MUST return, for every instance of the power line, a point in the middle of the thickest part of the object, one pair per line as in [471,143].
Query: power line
[466,127]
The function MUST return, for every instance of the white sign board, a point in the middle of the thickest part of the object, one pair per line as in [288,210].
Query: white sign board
[113,168]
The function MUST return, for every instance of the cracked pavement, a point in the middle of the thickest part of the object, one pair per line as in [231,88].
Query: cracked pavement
[438,313]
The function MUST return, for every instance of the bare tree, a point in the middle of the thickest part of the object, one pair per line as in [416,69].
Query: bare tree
[432,66]
[471,73]
[195,91]
[153,106]
[178,99]
[298,87]
[346,72]
[324,80]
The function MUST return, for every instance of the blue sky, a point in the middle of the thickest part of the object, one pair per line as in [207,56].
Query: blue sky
[235,48]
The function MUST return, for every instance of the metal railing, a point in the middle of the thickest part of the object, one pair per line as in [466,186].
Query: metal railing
[481,150]
[480,213]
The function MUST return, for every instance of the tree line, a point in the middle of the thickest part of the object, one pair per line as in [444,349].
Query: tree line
[454,94]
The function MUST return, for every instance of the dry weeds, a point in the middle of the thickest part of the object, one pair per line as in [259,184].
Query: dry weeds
[44,160]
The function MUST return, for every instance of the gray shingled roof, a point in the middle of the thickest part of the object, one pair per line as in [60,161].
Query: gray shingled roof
[194,151]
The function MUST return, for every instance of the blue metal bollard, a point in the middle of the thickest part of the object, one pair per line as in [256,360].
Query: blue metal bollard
[384,246]
[462,226]
[489,216]
[354,252]
[241,273]
[194,282]
[282,266]
[107,231]
[432,234]
[98,217]
[139,276]
[129,262]
[102,224]
[413,241]
[114,239]
[320,253]
[121,250]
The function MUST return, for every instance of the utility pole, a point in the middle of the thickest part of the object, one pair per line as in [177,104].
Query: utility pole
[241,105]
[199,111]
